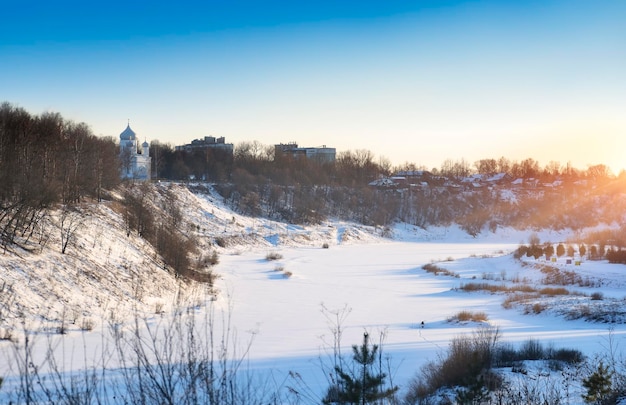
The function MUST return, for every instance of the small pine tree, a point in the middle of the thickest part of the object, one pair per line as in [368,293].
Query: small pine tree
[598,385]
[560,250]
[474,392]
[361,385]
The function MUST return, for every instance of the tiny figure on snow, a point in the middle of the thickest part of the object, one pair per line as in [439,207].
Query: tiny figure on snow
[422,324]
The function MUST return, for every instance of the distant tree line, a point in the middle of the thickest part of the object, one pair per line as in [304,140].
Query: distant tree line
[45,159]
[351,168]
[256,182]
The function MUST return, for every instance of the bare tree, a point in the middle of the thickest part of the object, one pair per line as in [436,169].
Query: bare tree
[486,166]
[599,172]
[70,221]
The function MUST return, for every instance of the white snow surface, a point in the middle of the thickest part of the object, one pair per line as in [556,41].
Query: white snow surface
[379,280]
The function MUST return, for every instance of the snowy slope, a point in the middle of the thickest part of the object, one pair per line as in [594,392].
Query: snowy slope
[106,273]
[379,282]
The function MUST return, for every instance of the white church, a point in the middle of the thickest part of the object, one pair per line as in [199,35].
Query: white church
[136,162]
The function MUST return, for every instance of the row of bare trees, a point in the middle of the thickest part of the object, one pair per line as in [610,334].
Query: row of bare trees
[45,159]
[258,182]
[351,168]
[527,168]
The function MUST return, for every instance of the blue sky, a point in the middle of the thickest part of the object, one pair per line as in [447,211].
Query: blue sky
[416,81]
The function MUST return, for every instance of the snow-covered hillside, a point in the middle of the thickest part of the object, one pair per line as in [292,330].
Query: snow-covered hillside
[283,305]
[108,273]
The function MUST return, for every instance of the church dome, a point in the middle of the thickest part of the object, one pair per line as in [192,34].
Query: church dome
[145,144]
[128,134]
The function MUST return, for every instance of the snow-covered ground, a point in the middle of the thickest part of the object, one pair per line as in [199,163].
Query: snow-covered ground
[385,289]
[285,307]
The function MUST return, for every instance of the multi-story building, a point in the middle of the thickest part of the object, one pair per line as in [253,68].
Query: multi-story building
[208,142]
[321,154]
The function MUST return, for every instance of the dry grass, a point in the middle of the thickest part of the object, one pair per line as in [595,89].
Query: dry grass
[467,358]
[436,270]
[597,296]
[556,276]
[552,292]
[496,288]
[467,316]
[516,298]
[535,308]
[273,256]
[281,269]
[87,324]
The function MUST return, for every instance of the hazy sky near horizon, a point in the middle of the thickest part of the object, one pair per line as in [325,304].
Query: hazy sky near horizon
[411,81]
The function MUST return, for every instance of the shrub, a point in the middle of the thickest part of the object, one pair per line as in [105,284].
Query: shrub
[87,324]
[551,292]
[531,349]
[494,288]
[210,260]
[520,252]
[466,364]
[221,242]
[507,356]
[578,312]
[214,259]
[273,256]
[569,356]
[597,296]
[287,274]
[436,270]
[535,308]
[562,277]
[466,316]
[525,288]
[325,246]
[517,298]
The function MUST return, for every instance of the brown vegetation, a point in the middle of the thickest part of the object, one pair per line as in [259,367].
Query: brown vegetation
[437,270]
[469,316]
[159,220]
[273,256]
